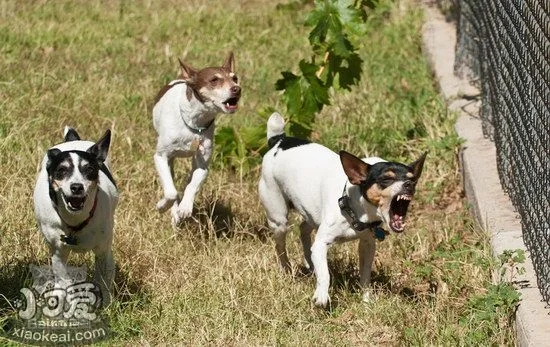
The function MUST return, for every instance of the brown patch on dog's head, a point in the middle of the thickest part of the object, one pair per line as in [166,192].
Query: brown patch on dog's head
[219,85]
[376,195]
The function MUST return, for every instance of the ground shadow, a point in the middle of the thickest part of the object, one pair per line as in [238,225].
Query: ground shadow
[217,220]
[13,276]
[127,289]
[17,275]
[345,278]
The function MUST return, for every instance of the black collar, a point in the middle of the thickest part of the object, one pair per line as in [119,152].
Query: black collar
[356,224]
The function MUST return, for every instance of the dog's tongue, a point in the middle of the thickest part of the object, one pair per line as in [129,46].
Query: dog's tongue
[231,107]
[231,104]
[397,222]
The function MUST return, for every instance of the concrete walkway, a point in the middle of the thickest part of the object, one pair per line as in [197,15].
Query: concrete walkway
[490,206]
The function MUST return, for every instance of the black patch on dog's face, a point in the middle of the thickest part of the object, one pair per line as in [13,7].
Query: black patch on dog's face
[71,177]
[61,166]
[385,174]
[89,169]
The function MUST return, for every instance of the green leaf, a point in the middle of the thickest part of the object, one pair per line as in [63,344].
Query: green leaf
[351,17]
[315,87]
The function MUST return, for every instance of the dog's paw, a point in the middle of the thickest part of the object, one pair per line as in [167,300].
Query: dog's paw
[164,204]
[176,219]
[185,209]
[367,296]
[320,298]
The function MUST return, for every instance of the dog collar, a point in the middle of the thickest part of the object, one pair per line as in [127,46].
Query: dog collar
[71,239]
[356,224]
[197,130]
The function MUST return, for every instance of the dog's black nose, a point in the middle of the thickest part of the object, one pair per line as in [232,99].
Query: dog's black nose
[235,90]
[77,188]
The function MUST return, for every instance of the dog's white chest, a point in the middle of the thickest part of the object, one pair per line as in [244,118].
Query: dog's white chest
[186,146]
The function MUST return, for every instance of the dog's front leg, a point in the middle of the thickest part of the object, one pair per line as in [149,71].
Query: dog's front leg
[104,274]
[198,175]
[59,267]
[367,249]
[319,252]
[163,166]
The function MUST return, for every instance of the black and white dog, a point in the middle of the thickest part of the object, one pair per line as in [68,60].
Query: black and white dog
[342,196]
[183,116]
[74,201]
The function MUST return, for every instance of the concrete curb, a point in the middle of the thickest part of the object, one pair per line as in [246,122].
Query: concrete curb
[490,205]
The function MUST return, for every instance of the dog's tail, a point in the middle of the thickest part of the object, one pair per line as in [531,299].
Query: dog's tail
[69,134]
[275,129]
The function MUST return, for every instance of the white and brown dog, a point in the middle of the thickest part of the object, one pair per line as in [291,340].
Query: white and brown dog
[183,116]
[74,201]
[343,197]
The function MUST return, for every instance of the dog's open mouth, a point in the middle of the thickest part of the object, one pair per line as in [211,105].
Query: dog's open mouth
[75,203]
[231,104]
[398,211]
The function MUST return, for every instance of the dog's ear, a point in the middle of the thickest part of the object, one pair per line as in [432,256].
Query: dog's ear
[101,147]
[52,153]
[188,73]
[356,169]
[417,166]
[229,63]
[70,134]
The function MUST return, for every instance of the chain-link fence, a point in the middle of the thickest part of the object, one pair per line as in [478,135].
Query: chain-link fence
[504,45]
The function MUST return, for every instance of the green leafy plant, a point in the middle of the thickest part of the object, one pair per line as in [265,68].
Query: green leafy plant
[488,312]
[334,64]
[510,262]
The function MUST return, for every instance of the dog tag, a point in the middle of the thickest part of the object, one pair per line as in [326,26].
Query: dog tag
[379,233]
[195,144]
[70,240]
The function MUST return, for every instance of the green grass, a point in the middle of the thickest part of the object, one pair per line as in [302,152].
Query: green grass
[97,65]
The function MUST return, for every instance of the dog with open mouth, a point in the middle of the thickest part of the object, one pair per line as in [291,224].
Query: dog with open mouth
[75,197]
[343,197]
[183,116]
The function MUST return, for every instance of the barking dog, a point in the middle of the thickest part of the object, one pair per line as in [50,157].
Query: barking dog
[74,201]
[183,117]
[343,197]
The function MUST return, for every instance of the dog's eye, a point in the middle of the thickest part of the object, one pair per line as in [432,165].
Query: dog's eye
[89,172]
[214,79]
[235,79]
[60,173]
[386,181]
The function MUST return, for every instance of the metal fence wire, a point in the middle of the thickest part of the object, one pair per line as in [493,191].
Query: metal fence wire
[504,45]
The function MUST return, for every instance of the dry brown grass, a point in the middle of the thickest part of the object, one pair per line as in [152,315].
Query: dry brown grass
[97,65]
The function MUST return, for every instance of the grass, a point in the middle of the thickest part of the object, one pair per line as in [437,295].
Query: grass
[97,65]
